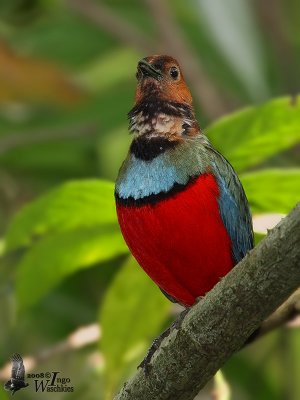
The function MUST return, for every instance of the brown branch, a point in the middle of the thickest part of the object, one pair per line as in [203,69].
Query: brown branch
[89,334]
[15,140]
[220,324]
[173,42]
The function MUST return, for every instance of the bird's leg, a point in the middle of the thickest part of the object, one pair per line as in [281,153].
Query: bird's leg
[145,364]
[178,322]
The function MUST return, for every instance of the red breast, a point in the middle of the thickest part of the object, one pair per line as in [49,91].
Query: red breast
[180,241]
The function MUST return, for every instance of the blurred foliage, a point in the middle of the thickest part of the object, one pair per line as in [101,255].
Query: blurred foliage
[47,83]
[67,82]
[255,134]
[127,327]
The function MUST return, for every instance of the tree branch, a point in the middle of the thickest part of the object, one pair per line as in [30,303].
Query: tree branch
[220,324]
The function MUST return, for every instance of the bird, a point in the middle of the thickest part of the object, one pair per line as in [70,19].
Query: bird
[180,205]
[17,380]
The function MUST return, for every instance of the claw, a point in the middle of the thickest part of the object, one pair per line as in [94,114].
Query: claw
[146,363]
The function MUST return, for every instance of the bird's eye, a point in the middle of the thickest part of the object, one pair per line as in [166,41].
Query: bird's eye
[174,73]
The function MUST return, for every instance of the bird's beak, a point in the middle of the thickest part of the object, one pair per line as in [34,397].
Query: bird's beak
[147,70]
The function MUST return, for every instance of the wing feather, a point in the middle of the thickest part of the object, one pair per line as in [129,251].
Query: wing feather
[234,207]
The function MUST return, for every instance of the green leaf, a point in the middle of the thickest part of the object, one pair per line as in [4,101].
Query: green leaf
[272,190]
[54,257]
[250,136]
[75,204]
[131,316]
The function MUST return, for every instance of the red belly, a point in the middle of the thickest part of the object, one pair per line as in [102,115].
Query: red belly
[181,241]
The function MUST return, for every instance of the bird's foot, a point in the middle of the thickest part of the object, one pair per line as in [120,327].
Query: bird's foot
[145,364]
[178,322]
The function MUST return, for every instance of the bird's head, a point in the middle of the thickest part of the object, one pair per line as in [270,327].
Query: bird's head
[161,77]
[163,103]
